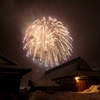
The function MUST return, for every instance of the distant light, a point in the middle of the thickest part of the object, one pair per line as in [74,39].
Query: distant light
[77,78]
[37,70]
[27,55]
[33,59]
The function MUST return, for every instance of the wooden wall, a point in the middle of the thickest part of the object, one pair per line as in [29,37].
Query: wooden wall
[85,83]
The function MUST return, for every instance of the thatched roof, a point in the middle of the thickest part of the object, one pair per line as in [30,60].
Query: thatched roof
[75,67]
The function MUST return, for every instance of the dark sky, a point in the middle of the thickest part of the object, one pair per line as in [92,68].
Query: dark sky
[81,17]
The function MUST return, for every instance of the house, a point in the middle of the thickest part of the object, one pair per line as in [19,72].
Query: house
[75,75]
[10,76]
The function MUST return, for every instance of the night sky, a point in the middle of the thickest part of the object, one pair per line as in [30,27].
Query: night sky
[81,17]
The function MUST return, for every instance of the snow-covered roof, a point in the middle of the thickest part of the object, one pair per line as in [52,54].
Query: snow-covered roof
[74,67]
[5,60]
[44,83]
[9,66]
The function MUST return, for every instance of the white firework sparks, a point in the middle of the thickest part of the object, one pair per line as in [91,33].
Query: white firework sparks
[49,41]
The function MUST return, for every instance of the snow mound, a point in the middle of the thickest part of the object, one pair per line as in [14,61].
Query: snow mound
[44,83]
[38,95]
[92,89]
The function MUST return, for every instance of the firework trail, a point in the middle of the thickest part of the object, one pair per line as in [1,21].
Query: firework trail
[48,41]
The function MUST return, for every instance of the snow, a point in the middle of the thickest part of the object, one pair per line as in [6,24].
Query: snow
[93,89]
[93,93]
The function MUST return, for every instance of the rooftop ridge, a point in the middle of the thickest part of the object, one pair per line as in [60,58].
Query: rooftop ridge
[63,65]
[7,60]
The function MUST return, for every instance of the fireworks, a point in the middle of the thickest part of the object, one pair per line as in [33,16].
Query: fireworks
[48,41]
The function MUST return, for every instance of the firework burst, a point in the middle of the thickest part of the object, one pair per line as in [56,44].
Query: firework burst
[48,41]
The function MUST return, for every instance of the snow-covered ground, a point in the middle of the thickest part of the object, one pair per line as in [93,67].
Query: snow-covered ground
[93,93]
